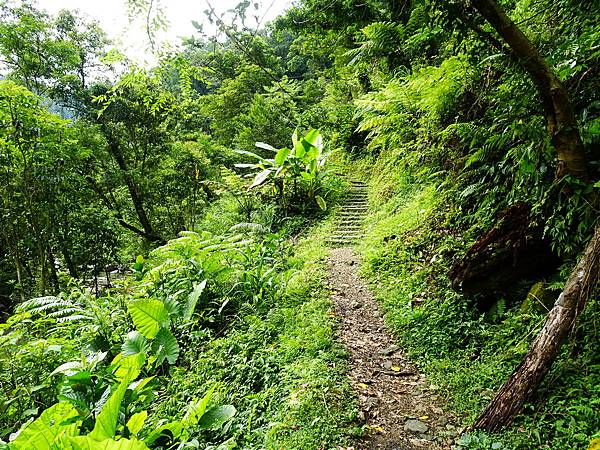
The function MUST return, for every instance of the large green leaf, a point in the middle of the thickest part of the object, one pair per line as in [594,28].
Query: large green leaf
[295,139]
[193,300]
[127,367]
[307,176]
[214,418]
[174,430]
[197,408]
[281,156]
[165,346]
[69,368]
[54,423]
[321,202]
[311,155]
[266,147]
[134,343]
[136,422]
[106,421]
[253,155]
[260,178]
[148,316]
[314,138]
[87,443]
[300,148]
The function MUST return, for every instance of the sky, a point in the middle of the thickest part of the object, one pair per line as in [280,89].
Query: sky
[132,39]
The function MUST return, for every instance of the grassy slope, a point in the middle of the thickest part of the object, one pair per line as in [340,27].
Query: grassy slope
[406,255]
[281,367]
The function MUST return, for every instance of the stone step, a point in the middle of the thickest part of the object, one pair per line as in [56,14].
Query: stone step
[350,226]
[348,232]
[345,238]
[352,218]
[341,241]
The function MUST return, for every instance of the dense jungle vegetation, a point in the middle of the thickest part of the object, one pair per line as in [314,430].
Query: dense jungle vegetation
[163,231]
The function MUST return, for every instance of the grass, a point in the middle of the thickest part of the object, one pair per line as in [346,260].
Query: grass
[279,366]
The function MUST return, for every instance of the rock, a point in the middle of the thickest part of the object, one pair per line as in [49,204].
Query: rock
[416,426]
[389,350]
[387,365]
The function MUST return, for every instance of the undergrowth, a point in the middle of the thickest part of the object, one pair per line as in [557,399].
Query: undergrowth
[280,367]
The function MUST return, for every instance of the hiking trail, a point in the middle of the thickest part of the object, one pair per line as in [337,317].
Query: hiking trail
[398,404]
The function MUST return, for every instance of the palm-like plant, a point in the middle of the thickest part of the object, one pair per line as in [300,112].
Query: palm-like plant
[304,161]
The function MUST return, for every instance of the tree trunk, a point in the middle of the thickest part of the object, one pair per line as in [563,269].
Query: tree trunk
[534,366]
[133,191]
[561,122]
[67,257]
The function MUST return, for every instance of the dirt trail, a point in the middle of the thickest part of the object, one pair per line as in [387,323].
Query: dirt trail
[395,400]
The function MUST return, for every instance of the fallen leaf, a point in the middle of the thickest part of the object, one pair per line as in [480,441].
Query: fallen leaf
[362,386]
[376,428]
[423,417]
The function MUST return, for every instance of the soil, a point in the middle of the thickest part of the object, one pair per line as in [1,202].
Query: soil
[400,408]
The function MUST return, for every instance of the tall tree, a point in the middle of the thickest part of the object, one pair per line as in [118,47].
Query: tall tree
[558,108]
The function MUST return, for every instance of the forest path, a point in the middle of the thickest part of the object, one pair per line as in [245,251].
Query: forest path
[395,400]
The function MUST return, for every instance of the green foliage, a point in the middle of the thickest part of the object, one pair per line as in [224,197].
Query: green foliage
[52,427]
[279,366]
[291,171]
[218,309]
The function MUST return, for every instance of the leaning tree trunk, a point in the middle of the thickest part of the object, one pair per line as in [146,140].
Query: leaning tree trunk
[534,366]
[559,112]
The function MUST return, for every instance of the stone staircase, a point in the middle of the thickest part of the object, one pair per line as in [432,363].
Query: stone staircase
[350,216]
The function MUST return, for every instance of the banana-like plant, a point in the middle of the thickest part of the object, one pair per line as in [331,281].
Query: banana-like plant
[303,162]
